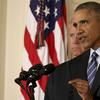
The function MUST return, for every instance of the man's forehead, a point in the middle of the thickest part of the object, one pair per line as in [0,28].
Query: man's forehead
[81,15]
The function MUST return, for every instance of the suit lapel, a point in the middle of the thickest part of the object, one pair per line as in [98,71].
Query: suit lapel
[78,66]
[96,83]
[78,69]
[85,59]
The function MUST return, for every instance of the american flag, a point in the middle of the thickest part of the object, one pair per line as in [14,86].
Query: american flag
[44,39]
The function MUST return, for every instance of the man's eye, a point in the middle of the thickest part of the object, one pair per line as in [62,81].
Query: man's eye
[83,22]
[71,34]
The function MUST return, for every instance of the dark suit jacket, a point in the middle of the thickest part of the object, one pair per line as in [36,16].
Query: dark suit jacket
[58,87]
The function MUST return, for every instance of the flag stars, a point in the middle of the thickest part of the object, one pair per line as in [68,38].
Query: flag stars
[46,11]
[55,12]
[46,25]
[37,10]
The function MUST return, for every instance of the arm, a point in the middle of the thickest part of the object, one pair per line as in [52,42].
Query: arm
[49,89]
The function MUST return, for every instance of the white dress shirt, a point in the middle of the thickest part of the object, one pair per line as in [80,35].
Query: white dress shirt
[98,58]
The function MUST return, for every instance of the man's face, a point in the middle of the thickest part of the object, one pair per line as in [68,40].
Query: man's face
[75,47]
[87,28]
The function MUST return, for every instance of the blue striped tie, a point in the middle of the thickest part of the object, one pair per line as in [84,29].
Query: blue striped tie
[92,68]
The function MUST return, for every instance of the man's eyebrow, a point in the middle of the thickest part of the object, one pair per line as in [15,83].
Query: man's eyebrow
[82,21]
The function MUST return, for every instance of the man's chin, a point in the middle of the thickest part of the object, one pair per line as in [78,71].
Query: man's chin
[76,54]
[86,47]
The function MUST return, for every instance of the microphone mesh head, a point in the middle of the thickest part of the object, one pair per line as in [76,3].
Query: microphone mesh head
[49,69]
[35,68]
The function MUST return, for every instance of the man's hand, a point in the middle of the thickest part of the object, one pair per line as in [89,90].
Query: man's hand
[82,88]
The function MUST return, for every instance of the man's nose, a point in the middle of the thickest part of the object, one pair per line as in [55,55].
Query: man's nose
[79,32]
[76,40]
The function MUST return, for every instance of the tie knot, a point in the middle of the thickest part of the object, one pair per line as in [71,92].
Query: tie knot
[94,55]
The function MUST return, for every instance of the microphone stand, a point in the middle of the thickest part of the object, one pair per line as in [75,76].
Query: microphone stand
[32,85]
[29,89]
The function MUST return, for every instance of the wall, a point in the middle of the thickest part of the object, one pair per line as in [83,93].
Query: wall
[12,24]
[2,46]
[15,24]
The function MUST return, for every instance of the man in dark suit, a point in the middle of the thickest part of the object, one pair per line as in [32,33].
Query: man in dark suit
[70,81]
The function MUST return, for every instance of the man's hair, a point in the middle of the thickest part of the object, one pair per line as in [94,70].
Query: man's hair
[92,6]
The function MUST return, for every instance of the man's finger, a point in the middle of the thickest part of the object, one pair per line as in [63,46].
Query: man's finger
[79,82]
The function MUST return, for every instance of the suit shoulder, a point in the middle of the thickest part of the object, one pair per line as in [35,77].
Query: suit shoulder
[61,71]
[81,56]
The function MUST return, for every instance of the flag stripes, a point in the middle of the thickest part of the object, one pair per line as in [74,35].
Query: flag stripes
[53,50]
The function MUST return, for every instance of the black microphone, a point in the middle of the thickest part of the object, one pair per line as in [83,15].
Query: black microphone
[45,70]
[25,74]
[17,80]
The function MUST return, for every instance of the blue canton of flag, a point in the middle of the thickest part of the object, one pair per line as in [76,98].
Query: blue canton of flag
[46,12]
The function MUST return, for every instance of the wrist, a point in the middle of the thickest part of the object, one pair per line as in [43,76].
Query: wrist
[88,97]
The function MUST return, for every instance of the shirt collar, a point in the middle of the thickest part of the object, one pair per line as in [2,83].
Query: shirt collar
[97,51]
